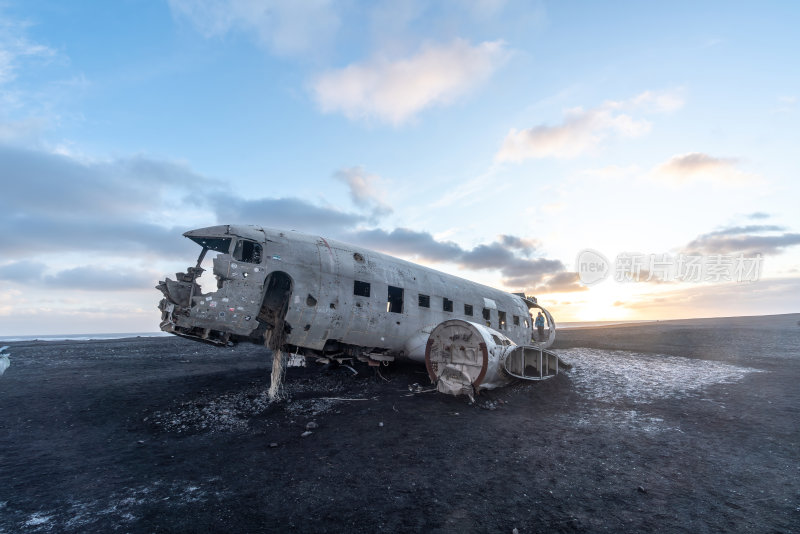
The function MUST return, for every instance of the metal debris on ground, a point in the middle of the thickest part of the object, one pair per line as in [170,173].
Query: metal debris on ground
[416,388]
[488,405]
[4,360]
[295,360]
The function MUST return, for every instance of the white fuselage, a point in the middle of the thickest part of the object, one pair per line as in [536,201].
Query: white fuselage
[343,293]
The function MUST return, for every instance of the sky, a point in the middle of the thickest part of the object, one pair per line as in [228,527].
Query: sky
[619,160]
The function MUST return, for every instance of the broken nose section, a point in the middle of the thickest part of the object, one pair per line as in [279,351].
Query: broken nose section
[176,308]
[181,291]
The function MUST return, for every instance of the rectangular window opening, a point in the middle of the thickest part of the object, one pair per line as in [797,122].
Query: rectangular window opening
[360,289]
[468,309]
[424,301]
[501,319]
[516,320]
[247,251]
[487,315]
[395,300]
[447,304]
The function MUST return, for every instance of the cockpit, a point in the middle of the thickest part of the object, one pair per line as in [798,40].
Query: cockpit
[193,306]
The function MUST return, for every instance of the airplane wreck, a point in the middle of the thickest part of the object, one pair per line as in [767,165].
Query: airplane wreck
[321,299]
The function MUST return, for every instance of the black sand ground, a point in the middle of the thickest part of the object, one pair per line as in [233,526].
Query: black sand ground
[167,435]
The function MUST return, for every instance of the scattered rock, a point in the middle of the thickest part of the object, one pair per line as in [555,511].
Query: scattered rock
[380,424]
[273,444]
[311,425]
[306,434]
[488,405]
[640,489]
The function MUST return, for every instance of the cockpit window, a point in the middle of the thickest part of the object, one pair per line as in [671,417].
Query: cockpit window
[217,244]
[247,251]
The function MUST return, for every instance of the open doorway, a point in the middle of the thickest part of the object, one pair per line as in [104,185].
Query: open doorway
[274,307]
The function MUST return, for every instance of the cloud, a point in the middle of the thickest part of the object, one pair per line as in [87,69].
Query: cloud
[15,47]
[85,277]
[94,278]
[526,246]
[20,129]
[584,130]
[395,90]
[285,28]
[365,189]
[758,215]
[750,240]
[734,230]
[697,166]
[52,203]
[695,162]
[786,104]
[581,131]
[408,243]
[525,273]
[290,213]
[40,182]
[22,271]
[517,271]
[563,282]
[653,101]
[18,56]
[501,255]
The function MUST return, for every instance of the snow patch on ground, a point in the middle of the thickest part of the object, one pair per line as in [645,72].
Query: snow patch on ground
[40,521]
[613,375]
[120,507]
[629,419]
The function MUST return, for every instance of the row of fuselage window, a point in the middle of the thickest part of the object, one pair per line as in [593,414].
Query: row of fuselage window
[394,304]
